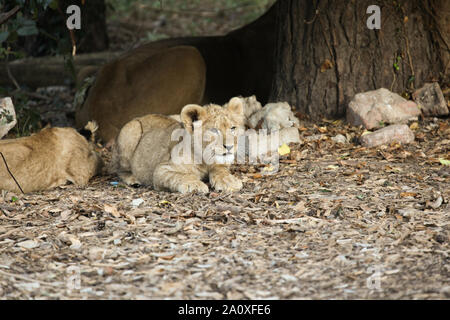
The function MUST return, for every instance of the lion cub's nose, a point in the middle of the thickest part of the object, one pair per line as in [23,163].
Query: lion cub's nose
[228,147]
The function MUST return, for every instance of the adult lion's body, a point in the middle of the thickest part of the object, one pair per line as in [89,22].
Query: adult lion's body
[46,160]
[144,81]
[143,153]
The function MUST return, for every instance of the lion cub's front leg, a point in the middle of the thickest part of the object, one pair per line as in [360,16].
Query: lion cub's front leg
[222,180]
[178,178]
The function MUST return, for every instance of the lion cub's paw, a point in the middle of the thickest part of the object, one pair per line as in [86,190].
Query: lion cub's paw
[192,186]
[226,183]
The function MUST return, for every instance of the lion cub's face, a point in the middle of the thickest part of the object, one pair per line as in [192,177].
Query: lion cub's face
[219,126]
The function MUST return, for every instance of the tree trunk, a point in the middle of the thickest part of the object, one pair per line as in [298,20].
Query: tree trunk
[325,53]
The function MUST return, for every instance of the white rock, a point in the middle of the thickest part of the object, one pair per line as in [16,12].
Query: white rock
[289,135]
[339,139]
[137,202]
[251,106]
[394,133]
[7,116]
[28,244]
[262,143]
[289,278]
[373,109]
[274,116]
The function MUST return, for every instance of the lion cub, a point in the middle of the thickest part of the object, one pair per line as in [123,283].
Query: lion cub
[46,160]
[145,149]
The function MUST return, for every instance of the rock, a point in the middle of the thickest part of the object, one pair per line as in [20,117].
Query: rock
[339,139]
[397,132]
[137,202]
[373,109]
[7,116]
[262,143]
[28,244]
[251,106]
[289,135]
[430,100]
[274,116]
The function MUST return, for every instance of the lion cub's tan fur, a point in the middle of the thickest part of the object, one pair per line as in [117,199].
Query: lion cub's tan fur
[142,152]
[47,159]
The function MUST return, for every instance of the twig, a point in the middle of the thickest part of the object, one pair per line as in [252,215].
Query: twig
[10,173]
[33,95]
[10,75]
[6,16]
[393,81]
[17,276]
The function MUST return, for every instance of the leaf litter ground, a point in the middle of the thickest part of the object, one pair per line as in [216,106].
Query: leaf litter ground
[337,221]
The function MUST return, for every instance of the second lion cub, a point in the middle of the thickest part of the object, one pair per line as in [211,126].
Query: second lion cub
[143,150]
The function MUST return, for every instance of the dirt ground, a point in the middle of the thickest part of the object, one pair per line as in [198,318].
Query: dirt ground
[337,221]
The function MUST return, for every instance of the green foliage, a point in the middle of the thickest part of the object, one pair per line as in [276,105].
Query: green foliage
[397,62]
[28,120]
[5,117]
[23,24]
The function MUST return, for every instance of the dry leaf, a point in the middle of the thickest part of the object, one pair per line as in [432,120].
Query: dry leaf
[327,64]
[112,210]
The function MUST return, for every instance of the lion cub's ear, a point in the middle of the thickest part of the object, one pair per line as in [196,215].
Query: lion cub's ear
[236,105]
[191,113]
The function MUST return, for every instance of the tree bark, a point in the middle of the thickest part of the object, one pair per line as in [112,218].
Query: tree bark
[325,53]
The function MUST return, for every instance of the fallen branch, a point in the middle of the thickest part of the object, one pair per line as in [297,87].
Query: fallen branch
[10,173]
[8,15]
[49,71]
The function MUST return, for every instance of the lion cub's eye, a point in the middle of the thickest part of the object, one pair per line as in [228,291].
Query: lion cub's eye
[233,129]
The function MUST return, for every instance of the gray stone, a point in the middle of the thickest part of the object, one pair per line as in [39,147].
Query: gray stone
[274,116]
[7,116]
[339,139]
[393,133]
[251,106]
[269,142]
[289,135]
[373,109]
[430,100]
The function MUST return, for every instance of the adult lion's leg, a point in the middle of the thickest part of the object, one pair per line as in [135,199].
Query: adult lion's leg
[178,178]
